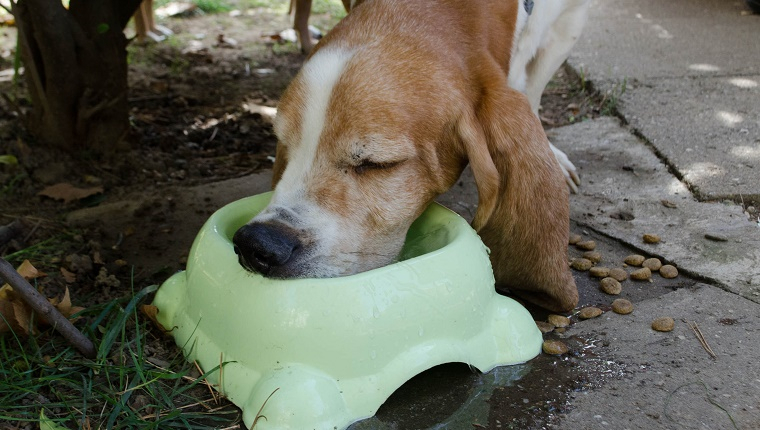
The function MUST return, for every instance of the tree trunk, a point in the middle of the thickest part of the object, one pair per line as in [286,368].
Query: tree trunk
[76,70]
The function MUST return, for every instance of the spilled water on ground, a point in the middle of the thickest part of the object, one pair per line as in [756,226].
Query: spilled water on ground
[533,395]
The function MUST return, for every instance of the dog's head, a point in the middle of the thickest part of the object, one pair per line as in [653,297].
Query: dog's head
[359,158]
[382,118]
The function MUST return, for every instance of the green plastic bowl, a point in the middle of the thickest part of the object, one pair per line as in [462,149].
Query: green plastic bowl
[329,352]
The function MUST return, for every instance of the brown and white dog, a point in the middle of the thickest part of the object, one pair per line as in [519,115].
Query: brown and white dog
[385,114]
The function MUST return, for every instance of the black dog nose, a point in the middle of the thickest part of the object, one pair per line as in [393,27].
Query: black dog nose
[264,247]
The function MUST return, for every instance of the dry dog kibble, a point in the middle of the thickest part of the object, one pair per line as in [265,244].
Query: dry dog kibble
[663,324]
[611,286]
[589,312]
[642,274]
[599,272]
[634,260]
[716,237]
[622,306]
[651,238]
[586,245]
[653,264]
[581,264]
[544,327]
[592,256]
[668,272]
[554,347]
[558,320]
[574,238]
[619,274]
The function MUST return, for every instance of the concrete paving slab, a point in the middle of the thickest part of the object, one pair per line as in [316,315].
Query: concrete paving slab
[645,39]
[707,129]
[686,75]
[670,380]
[627,192]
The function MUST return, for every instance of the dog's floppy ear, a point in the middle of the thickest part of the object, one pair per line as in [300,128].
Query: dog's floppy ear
[280,161]
[523,208]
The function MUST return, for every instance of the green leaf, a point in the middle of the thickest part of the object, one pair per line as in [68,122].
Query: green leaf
[102,28]
[8,159]
[48,424]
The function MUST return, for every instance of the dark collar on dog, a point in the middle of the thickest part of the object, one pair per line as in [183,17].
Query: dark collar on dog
[528,4]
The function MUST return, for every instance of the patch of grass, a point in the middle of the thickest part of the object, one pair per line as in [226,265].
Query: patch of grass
[610,100]
[582,79]
[42,252]
[331,7]
[143,55]
[166,54]
[213,6]
[179,65]
[123,388]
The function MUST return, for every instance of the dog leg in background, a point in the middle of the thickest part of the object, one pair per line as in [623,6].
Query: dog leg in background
[301,21]
[301,24]
[145,24]
[544,44]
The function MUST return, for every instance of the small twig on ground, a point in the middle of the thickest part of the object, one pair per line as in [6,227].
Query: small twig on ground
[701,339]
[208,385]
[707,397]
[46,310]
[221,373]
[258,414]
[164,413]
[32,231]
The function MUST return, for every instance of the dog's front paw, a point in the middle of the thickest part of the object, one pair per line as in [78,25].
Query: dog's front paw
[568,169]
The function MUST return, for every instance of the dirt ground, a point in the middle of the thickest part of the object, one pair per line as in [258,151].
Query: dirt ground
[199,112]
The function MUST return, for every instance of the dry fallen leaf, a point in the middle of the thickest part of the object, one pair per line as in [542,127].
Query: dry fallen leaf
[23,317]
[68,193]
[69,277]
[7,320]
[64,305]
[6,293]
[10,302]
[17,315]
[151,312]
[29,272]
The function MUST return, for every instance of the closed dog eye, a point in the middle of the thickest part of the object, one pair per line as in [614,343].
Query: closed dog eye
[368,165]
